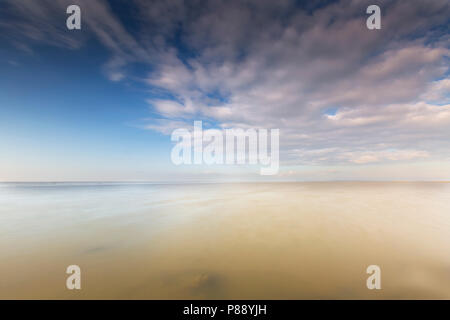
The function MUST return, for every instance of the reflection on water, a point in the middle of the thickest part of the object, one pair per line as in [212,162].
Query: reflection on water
[231,241]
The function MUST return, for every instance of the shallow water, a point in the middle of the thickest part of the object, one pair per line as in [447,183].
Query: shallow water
[230,241]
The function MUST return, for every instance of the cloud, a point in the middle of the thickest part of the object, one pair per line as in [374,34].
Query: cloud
[166,126]
[378,156]
[438,92]
[281,64]
[285,73]
[38,22]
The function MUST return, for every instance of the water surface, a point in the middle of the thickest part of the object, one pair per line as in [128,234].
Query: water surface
[225,241]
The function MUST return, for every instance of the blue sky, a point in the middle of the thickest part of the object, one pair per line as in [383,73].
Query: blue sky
[100,103]
[61,110]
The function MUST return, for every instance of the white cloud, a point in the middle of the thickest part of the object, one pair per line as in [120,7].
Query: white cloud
[379,156]
[272,64]
[438,92]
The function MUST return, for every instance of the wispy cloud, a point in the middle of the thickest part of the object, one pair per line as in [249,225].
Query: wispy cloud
[275,64]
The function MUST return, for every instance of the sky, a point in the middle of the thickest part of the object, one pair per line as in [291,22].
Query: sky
[100,103]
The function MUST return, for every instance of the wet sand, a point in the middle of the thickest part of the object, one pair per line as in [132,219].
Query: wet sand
[225,241]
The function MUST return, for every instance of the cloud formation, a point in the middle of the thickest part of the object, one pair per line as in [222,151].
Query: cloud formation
[338,92]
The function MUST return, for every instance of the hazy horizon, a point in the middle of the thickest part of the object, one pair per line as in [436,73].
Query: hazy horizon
[218,182]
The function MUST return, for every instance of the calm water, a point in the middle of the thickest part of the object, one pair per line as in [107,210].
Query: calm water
[232,241]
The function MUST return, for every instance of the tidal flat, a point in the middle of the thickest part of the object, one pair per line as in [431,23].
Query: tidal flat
[225,241]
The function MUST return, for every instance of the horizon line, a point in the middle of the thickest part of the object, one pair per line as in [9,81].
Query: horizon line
[216,182]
